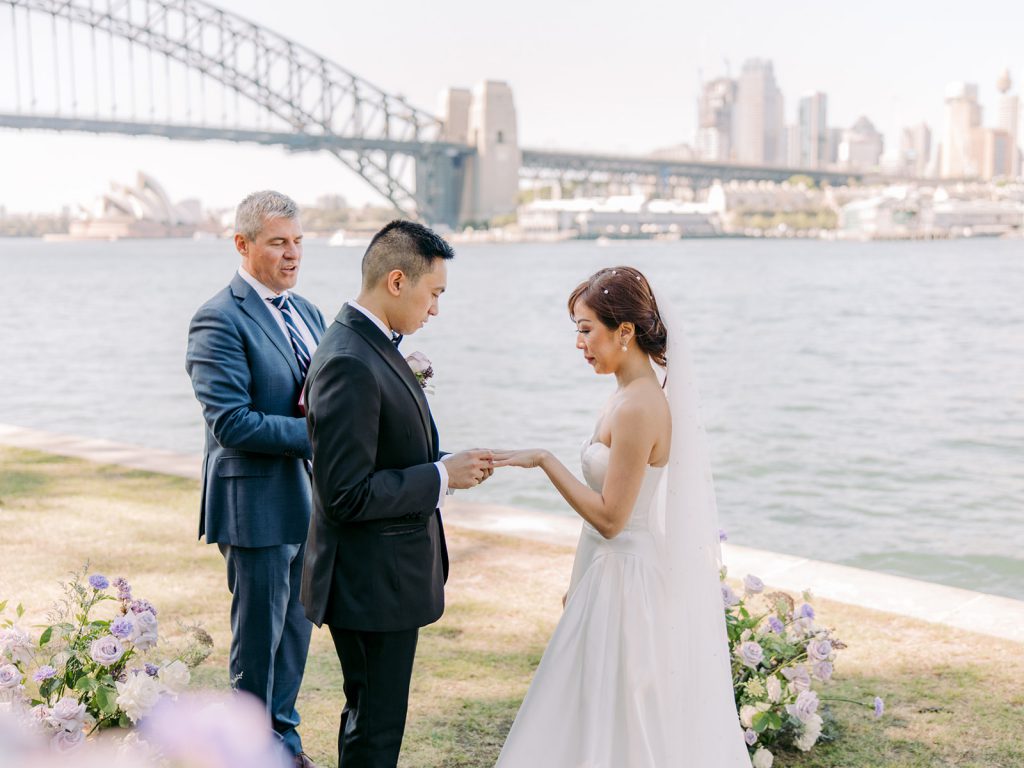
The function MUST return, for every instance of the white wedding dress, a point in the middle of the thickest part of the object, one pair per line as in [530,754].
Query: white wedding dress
[637,673]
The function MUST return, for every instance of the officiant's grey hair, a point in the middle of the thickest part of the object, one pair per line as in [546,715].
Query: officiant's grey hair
[405,245]
[260,207]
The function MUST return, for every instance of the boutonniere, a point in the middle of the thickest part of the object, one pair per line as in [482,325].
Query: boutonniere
[421,368]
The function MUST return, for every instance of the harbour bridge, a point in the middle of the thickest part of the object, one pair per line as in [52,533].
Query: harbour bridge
[188,70]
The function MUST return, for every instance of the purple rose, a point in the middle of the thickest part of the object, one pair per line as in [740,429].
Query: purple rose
[879,707]
[750,654]
[10,677]
[775,625]
[67,714]
[823,670]
[124,590]
[98,581]
[728,596]
[806,705]
[750,737]
[152,669]
[806,611]
[106,651]
[45,672]
[144,634]
[819,650]
[66,741]
[798,678]
[722,535]
[753,585]
[122,627]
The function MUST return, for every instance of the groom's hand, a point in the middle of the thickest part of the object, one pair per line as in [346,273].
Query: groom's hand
[467,469]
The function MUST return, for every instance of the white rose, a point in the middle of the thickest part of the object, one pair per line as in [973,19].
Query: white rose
[774,687]
[137,695]
[747,712]
[144,633]
[175,676]
[762,758]
[68,715]
[16,645]
[811,731]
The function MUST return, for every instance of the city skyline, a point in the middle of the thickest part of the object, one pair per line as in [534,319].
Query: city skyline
[640,98]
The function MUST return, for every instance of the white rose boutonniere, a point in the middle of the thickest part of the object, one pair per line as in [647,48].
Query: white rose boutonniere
[422,368]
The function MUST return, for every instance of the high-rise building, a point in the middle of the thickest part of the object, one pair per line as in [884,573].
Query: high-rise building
[1008,119]
[861,147]
[792,157]
[963,116]
[993,153]
[759,134]
[915,150]
[813,122]
[715,119]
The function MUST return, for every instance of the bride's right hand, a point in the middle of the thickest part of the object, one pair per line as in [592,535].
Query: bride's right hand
[527,459]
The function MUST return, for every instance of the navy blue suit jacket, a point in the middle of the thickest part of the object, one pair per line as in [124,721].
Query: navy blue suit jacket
[256,489]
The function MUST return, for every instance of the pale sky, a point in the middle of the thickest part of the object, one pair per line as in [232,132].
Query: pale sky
[586,75]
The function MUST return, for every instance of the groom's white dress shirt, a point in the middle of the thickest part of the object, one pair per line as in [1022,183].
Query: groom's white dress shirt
[388,333]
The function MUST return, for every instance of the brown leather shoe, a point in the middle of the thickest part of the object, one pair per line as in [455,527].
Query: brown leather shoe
[302,761]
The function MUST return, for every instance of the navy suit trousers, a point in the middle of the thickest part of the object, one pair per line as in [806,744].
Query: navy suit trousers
[269,630]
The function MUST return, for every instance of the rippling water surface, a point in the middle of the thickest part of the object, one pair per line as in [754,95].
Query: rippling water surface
[865,402]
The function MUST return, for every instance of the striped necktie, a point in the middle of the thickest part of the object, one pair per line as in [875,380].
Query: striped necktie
[291,321]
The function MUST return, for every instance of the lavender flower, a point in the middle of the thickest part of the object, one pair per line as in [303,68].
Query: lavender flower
[106,651]
[141,606]
[98,581]
[775,625]
[722,535]
[879,707]
[750,654]
[45,672]
[122,627]
[806,611]
[124,589]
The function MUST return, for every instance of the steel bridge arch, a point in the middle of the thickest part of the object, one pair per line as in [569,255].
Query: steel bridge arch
[320,102]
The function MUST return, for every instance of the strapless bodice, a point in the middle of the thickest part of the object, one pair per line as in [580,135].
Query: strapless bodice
[595,468]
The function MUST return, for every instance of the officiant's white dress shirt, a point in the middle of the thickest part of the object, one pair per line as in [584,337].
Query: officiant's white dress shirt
[267,294]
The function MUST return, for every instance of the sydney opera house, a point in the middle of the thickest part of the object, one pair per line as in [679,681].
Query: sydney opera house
[142,210]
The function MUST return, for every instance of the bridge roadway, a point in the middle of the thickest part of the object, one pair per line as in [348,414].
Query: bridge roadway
[533,160]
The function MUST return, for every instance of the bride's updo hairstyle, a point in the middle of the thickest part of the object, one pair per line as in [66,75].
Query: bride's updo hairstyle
[622,295]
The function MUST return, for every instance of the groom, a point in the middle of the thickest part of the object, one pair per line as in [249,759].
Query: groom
[376,560]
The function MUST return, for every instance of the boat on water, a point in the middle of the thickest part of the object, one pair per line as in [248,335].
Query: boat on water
[350,239]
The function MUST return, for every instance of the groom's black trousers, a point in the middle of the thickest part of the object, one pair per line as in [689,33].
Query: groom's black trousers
[377,667]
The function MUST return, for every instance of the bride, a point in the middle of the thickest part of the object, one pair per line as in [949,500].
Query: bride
[637,673]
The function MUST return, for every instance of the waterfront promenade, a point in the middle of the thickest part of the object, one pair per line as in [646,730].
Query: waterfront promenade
[985,614]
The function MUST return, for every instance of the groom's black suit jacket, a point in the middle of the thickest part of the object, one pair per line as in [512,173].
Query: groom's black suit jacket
[376,558]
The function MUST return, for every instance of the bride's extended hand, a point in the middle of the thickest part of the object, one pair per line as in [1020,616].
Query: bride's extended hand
[527,459]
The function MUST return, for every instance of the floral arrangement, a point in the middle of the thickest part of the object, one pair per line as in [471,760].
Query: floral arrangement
[86,673]
[422,368]
[779,657]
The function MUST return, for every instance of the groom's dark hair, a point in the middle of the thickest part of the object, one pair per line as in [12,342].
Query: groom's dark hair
[404,245]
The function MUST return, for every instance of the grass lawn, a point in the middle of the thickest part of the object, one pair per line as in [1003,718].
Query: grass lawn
[952,698]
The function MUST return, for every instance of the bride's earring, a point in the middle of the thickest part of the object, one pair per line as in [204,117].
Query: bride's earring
[624,348]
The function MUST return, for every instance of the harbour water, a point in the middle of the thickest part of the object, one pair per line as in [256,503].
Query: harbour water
[865,401]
